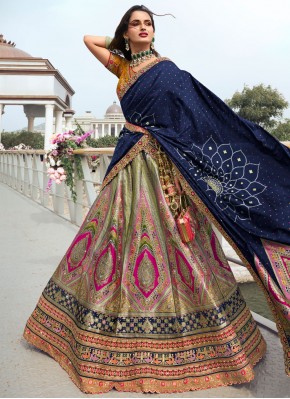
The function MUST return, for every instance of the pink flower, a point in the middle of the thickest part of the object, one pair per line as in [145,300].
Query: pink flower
[62,177]
[52,177]
[48,186]
[52,139]
[60,170]
[50,170]
[54,153]
[57,181]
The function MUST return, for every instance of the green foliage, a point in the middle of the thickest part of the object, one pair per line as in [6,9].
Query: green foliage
[282,131]
[34,140]
[261,105]
[106,141]
[72,165]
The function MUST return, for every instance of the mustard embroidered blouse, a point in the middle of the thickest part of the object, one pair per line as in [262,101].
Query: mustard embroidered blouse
[120,67]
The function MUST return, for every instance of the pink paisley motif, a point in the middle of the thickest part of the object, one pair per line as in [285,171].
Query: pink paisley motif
[141,280]
[105,267]
[74,247]
[215,254]
[184,270]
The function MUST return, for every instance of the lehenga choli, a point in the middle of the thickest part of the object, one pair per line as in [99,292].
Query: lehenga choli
[133,307]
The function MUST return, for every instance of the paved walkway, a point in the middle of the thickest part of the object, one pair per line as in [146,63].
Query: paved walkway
[32,242]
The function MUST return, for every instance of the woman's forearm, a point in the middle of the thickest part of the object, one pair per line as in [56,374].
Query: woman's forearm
[97,46]
[99,41]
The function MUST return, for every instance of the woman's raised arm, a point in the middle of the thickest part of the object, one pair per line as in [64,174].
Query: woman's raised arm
[97,46]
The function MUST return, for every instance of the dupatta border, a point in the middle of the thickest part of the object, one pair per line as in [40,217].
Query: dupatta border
[124,88]
[203,208]
[131,154]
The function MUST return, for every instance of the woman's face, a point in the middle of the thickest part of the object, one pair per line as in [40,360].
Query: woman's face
[140,30]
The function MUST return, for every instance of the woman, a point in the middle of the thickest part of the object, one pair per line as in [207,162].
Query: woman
[136,304]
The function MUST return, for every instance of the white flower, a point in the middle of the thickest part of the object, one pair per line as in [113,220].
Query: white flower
[58,162]
[52,162]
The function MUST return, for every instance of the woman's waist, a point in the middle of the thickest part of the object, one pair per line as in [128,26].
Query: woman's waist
[135,128]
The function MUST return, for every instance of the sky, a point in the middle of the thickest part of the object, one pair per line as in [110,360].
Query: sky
[225,44]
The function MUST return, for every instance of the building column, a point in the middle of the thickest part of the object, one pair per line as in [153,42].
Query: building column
[116,130]
[103,130]
[1,112]
[110,130]
[68,116]
[30,126]
[48,125]
[69,123]
[58,121]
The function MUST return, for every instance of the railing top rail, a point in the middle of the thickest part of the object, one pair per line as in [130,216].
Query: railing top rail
[90,151]
[81,151]
[22,152]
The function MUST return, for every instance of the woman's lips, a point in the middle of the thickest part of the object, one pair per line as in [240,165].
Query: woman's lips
[143,34]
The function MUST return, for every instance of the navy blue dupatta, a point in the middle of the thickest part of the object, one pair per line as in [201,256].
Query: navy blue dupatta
[238,171]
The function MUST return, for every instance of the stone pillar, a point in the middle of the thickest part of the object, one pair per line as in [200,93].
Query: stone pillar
[48,125]
[69,123]
[1,112]
[103,130]
[30,126]
[58,121]
[68,115]
[110,130]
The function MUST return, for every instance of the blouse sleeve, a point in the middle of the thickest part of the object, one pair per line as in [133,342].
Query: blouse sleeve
[115,64]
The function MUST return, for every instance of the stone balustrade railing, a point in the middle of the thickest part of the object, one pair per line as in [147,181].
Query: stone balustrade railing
[26,172]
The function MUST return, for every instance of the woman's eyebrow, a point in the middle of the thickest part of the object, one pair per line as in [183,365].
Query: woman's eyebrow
[138,20]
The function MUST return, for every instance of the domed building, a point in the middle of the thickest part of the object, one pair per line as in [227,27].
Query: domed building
[34,83]
[110,125]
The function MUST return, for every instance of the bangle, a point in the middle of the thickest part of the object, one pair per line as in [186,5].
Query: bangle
[108,41]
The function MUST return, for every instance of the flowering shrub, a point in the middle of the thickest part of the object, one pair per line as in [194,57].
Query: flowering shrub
[61,162]
[20,146]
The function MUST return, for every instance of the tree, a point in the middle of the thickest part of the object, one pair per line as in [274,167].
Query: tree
[106,141]
[34,140]
[261,105]
[282,131]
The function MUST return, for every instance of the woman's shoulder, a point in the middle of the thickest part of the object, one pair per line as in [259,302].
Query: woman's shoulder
[116,63]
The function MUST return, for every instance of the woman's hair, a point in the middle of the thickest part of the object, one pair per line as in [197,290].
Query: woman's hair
[118,42]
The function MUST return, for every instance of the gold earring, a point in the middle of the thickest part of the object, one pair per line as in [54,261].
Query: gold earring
[127,44]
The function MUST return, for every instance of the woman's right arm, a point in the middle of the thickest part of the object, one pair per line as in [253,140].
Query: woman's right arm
[97,46]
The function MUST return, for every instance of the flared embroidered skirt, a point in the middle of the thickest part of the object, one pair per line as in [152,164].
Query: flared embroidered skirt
[132,307]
